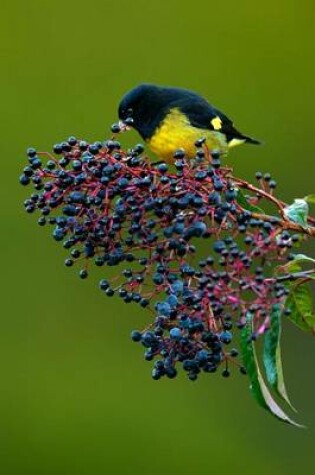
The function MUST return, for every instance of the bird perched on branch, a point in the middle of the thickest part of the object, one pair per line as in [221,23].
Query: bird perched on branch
[170,118]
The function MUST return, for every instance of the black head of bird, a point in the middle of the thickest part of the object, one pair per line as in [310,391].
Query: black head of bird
[170,118]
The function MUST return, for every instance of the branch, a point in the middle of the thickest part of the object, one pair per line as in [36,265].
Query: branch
[248,186]
[286,224]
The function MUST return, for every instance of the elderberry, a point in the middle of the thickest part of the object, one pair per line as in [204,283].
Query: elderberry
[113,208]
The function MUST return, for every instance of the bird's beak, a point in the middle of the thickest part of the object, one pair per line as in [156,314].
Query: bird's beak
[123,126]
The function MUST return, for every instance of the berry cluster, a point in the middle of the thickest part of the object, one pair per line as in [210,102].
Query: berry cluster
[115,208]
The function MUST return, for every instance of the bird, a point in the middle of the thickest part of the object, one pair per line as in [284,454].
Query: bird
[172,118]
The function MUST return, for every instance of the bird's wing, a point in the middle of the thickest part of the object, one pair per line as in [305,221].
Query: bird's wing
[203,115]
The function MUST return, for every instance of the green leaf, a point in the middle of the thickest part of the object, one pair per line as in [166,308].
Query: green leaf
[272,355]
[295,264]
[300,302]
[297,212]
[303,258]
[243,202]
[250,362]
[258,386]
[310,198]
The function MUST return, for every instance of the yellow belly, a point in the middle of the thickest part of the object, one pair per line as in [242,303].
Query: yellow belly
[175,133]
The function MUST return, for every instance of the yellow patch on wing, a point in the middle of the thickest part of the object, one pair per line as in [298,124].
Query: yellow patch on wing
[216,123]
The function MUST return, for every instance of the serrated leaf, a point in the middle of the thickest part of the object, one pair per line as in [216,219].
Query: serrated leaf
[300,302]
[258,386]
[297,212]
[310,198]
[272,355]
[243,202]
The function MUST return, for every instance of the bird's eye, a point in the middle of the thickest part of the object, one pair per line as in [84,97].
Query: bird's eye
[125,113]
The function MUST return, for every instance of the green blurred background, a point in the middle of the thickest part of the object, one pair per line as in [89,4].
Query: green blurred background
[76,397]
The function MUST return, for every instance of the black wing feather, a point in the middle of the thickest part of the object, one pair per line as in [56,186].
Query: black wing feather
[201,113]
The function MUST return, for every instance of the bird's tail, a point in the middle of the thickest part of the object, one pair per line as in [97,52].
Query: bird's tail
[235,137]
[251,140]
[242,139]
